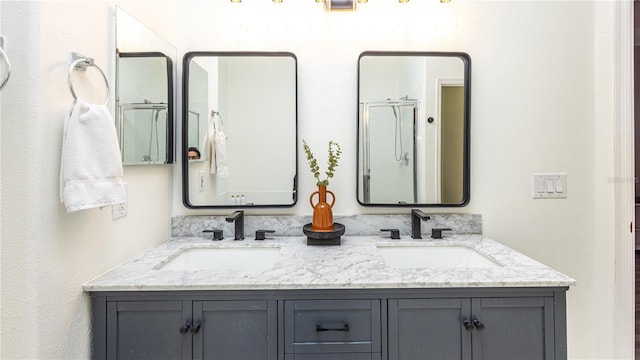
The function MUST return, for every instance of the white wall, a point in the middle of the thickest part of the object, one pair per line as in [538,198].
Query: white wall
[48,254]
[541,102]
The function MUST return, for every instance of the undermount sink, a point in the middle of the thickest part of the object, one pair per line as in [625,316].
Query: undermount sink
[439,257]
[223,258]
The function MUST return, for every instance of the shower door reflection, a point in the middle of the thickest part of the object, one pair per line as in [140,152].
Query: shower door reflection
[144,104]
[143,133]
[389,166]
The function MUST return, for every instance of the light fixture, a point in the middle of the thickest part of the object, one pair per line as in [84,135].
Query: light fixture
[444,1]
[362,1]
[406,1]
[236,1]
[277,1]
[340,5]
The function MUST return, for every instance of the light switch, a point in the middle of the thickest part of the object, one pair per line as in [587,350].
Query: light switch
[201,181]
[559,185]
[549,186]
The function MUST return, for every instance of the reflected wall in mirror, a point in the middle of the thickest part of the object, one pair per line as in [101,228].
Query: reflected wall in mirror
[413,129]
[144,93]
[240,113]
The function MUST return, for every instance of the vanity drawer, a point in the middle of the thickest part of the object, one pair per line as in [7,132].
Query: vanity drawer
[336,356]
[332,326]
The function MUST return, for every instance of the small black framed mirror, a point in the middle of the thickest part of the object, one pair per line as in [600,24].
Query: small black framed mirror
[413,129]
[239,129]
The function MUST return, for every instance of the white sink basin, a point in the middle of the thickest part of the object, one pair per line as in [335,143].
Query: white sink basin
[440,257]
[231,258]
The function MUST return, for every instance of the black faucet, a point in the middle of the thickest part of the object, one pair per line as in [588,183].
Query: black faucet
[238,218]
[416,217]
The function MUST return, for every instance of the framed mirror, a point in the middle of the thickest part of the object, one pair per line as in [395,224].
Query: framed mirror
[145,96]
[413,129]
[239,129]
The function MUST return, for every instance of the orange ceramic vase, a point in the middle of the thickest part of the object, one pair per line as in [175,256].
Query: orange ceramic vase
[322,214]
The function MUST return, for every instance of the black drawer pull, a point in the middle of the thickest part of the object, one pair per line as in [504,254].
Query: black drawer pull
[332,327]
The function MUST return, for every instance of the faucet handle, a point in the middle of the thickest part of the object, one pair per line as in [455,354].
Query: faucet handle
[260,234]
[217,234]
[436,233]
[395,233]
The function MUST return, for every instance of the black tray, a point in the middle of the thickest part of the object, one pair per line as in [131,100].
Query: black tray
[323,237]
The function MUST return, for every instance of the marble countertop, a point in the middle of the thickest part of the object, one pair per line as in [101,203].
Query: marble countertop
[354,264]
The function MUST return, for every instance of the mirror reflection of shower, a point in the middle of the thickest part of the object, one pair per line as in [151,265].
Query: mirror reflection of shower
[143,132]
[389,168]
[400,154]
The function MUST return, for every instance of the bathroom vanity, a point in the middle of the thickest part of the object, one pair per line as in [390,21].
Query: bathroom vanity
[354,301]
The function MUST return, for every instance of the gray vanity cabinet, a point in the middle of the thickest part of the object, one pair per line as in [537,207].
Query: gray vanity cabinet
[332,324]
[183,329]
[472,328]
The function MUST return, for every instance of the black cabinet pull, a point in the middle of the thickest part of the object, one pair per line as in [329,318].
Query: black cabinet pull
[332,327]
[185,328]
[467,325]
[478,324]
[196,328]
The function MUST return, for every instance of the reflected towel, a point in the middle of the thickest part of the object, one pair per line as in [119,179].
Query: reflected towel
[220,145]
[91,162]
[209,148]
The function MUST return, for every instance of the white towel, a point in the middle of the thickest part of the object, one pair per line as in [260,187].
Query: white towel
[220,145]
[91,164]
[210,149]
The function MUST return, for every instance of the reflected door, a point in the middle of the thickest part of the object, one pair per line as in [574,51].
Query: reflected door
[452,144]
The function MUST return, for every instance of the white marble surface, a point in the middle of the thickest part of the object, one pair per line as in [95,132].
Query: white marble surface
[354,264]
[356,225]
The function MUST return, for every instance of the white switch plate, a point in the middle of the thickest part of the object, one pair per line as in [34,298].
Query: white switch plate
[201,181]
[120,210]
[549,186]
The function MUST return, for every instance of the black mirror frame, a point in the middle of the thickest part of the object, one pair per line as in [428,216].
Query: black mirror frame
[466,165]
[186,59]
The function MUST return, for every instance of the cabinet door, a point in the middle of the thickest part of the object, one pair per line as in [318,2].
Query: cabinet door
[148,330]
[513,328]
[429,329]
[235,330]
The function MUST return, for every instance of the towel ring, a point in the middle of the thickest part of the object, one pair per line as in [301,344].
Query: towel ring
[79,62]
[4,55]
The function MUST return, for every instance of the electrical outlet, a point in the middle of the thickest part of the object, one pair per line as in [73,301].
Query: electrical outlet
[201,181]
[121,209]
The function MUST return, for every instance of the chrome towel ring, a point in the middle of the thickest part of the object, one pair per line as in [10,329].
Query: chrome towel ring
[81,63]
[5,57]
